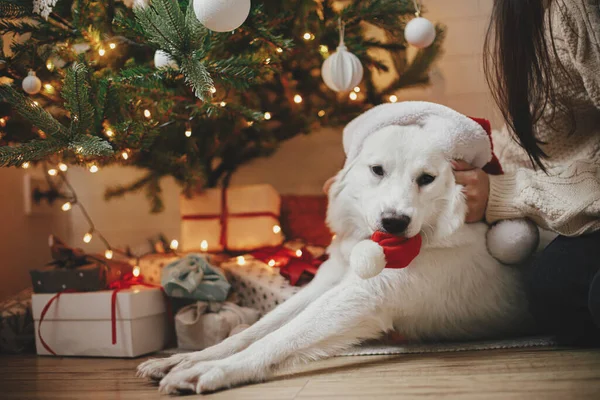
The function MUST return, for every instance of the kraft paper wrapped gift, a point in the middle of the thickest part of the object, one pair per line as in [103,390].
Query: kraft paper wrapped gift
[237,219]
[79,324]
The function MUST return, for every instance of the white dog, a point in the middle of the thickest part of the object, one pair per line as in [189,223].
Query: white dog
[452,290]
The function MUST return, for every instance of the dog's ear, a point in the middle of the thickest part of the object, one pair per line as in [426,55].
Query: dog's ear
[454,213]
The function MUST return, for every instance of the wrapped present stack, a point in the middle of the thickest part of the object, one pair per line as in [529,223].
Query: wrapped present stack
[16,324]
[87,305]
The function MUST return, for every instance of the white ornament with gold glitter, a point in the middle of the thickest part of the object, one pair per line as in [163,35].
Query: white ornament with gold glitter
[32,84]
[342,70]
[419,32]
[222,15]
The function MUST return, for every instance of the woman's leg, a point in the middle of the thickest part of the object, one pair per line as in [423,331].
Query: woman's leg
[560,289]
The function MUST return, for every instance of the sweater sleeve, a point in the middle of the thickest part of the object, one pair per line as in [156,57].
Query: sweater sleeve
[567,202]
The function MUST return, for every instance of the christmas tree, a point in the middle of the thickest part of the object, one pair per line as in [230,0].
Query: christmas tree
[80,84]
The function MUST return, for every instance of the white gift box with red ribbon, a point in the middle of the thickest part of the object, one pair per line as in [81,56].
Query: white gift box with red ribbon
[241,218]
[80,323]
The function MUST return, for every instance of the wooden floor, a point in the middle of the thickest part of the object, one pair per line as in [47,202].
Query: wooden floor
[495,374]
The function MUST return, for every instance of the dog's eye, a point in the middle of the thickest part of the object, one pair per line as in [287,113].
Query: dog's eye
[377,170]
[425,179]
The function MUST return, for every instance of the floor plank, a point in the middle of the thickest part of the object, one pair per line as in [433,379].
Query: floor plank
[497,374]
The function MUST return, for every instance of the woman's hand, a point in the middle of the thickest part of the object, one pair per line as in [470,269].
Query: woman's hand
[476,187]
[328,184]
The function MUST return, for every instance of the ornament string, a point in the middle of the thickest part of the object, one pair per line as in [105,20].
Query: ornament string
[342,29]
[417,8]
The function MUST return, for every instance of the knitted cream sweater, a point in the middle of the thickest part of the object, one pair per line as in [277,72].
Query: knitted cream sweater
[567,200]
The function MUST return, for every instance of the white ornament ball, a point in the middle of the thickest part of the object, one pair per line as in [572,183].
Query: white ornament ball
[342,70]
[32,84]
[367,259]
[222,15]
[163,60]
[513,241]
[420,32]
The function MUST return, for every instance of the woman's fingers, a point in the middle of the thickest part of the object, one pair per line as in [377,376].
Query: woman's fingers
[460,165]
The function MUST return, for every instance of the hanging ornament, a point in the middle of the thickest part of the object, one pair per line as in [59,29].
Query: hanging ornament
[32,84]
[222,15]
[163,60]
[419,32]
[342,70]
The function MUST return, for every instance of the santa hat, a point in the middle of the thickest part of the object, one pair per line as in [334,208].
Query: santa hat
[461,137]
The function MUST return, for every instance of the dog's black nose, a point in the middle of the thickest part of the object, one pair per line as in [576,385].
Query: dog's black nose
[396,225]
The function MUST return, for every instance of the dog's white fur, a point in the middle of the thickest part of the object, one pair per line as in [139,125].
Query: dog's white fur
[453,290]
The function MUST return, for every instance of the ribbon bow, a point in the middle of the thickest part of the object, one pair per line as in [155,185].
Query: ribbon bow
[291,264]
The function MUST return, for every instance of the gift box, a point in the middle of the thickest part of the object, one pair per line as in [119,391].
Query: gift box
[258,285]
[236,219]
[16,324]
[72,269]
[83,324]
[204,324]
[151,266]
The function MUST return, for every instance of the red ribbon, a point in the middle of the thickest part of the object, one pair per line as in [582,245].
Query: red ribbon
[291,266]
[226,214]
[127,281]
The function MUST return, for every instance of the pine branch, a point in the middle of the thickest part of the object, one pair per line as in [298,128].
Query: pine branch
[12,9]
[197,76]
[90,146]
[75,91]
[31,151]
[32,112]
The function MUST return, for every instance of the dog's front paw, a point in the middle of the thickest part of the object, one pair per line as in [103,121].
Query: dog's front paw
[206,377]
[157,368]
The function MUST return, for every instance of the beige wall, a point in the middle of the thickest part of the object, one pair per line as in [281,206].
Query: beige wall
[23,239]
[302,164]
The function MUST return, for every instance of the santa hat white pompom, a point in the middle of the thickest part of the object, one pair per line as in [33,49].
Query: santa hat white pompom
[461,137]
[513,241]
[367,259]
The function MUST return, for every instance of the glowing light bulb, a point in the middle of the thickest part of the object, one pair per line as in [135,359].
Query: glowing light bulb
[333,237]
[67,206]
[25,165]
[124,155]
[393,98]
[298,253]
[276,229]
[108,254]
[174,244]
[250,123]
[204,245]
[271,263]
[321,113]
[188,132]
[94,168]
[267,115]
[101,52]
[241,260]
[49,65]
[213,90]
[136,271]
[279,50]
[308,36]
[222,104]
[353,96]
[147,113]
[112,46]
[87,237]
[2,121]
[268,60]
[63,167]
[35,103]
[323,49]
[109,133]
[357,89]
[49,88]
[297,99]
[52,172]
